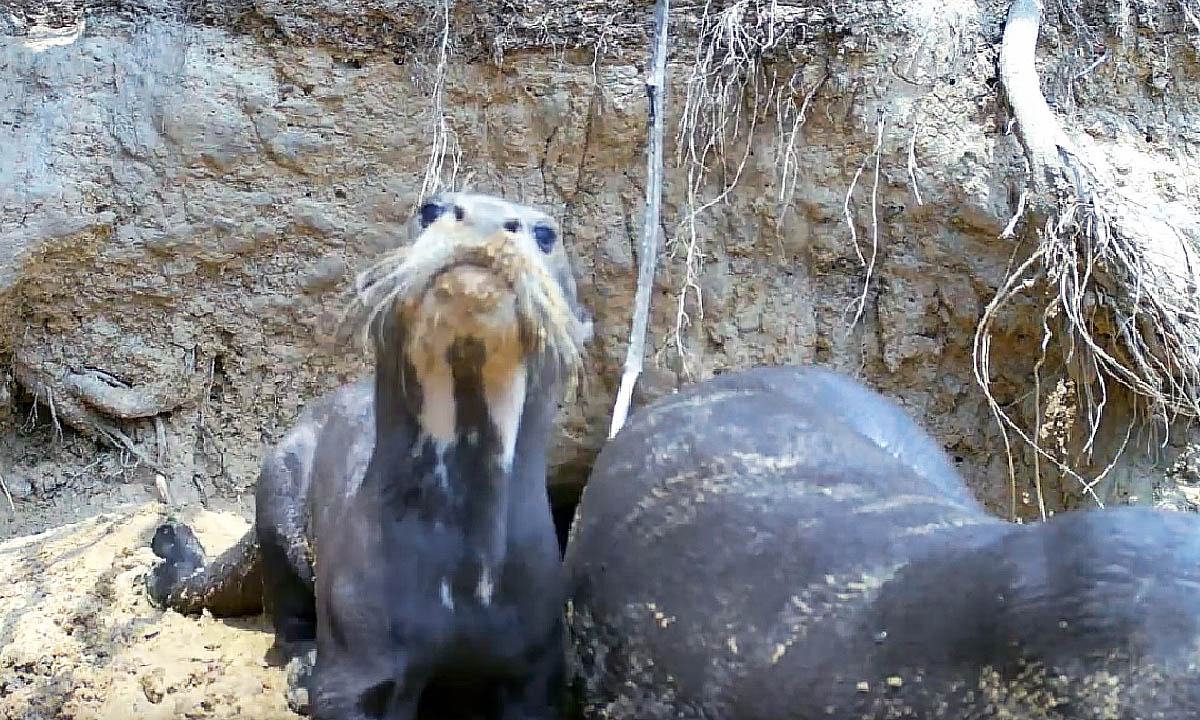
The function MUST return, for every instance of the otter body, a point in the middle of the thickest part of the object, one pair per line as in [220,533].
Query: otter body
[784,543]
[402,526]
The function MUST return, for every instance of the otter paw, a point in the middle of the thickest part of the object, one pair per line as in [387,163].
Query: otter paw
[299,675]
[182,556]
[176,543]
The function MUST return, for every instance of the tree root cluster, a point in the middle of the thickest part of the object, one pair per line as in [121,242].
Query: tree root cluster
[95,403]
[1121,273]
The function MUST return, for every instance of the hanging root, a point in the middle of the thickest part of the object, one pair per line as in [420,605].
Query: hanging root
[656,75]
[860,304]
[1191,13]
[1121,272]
[729,92]
[7,495]
[443,140]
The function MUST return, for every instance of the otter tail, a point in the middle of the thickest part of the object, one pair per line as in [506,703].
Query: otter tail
[229,585]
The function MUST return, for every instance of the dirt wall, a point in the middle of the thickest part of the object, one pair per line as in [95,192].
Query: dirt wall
[185,188]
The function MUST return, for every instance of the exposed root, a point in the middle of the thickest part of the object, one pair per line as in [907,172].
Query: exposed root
[443,138]
[601,48]
[656,80]
[1037,406]
[912,164]
[867,263]
[1121,273]
[1020,281]
[693,260]
[58,432]
[121,441]
[7,495]
[1191,12]
[728,93]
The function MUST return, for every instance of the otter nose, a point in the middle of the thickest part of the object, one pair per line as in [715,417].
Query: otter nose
[494,222]
[490,225]
[488,217]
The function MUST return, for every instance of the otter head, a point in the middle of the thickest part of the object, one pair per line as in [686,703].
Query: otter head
[481,303]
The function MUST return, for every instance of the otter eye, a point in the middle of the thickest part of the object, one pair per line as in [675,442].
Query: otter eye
[429,212]
[545,236]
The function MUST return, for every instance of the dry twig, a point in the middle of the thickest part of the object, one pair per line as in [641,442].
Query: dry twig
[655,96]
[7,495]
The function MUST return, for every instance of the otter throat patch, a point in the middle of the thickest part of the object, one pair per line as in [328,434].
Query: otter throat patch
[502,377]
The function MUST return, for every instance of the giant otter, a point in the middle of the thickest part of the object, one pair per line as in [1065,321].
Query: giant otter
[783,543]
[403,523]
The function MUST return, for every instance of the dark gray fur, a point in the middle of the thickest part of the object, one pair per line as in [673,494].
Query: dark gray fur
[782,543]
[354,531]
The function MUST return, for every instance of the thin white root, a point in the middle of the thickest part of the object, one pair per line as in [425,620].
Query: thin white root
[655,95]
[1018,282]
[122,441]
[1191,15]
[1011,227]
[58,431]
[868,263]
[7,495]
[912,164]
[442,135]
[727,95]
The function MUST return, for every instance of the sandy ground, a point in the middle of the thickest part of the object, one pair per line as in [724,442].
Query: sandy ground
[79,638]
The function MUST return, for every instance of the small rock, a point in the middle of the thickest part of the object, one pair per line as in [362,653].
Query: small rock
[160,487]
[299,672]
[324,274]
[154,685]
[312,216]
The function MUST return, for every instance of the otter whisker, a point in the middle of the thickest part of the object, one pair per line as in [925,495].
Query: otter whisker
[400,274]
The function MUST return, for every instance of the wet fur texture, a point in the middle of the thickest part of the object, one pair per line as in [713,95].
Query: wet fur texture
[783,543]
[425,572]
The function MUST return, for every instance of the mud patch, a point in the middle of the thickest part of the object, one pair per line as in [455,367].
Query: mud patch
[79,638]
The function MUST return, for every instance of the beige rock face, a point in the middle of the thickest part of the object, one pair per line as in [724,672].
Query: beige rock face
[185,191]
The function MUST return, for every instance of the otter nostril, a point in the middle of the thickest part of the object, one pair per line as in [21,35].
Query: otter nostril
[459,213]
[512,226]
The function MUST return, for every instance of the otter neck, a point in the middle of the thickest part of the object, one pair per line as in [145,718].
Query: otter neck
[461,444]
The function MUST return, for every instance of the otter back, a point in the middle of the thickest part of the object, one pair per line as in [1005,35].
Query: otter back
[784,543]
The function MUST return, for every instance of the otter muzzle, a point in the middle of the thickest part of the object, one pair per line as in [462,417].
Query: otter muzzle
[467,301]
